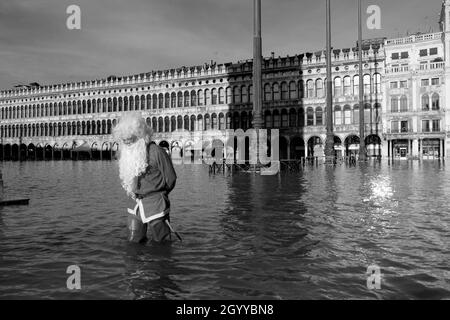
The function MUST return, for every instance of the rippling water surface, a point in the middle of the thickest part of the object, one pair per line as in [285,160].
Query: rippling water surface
[309,235]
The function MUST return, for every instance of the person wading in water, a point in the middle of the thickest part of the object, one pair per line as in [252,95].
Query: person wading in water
[147,175]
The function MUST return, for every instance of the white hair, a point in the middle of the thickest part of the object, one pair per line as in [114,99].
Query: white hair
[132,125]
[132,158]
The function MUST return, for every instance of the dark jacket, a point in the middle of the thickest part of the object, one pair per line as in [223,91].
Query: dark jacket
[155,184]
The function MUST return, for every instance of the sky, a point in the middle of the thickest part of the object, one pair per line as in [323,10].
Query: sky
[120,37]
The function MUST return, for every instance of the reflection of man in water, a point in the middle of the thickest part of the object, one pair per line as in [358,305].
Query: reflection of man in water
[148,176]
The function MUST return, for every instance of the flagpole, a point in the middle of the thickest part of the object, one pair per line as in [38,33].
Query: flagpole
[362,142]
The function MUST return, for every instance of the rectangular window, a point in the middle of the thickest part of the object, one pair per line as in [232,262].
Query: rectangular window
[404,67]
[435,81]
[404,126]
[425,82]
[395,56]
[433,51]
[436,125]
[394,85]
[423,52]
[405,55]
[423,65]
[425,126]
[404,84]
[394,126]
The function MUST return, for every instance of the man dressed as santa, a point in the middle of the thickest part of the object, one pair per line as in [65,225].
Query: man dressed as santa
[147,175]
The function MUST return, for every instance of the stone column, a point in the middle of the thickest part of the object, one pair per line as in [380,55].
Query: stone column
[385,149]
[415,148]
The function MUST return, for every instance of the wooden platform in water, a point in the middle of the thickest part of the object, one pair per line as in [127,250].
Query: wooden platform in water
[14,202]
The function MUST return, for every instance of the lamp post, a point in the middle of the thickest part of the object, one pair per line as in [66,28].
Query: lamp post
[362,142]
[257,61]
[329,142]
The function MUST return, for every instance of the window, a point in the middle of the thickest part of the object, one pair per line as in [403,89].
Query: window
[337,87]
[221,96]
[366,80]
[435,81]
[425,126]
[229,94]
[207,98]
[292,90]
[394,85]
[236,95]
[377,82]
[394,126]
[214,96]
[433,51]
[425,82]
[404,126]
[423,52]
[405,55]
[310,117]
[436,125]
[276,119]
[394,104]
[284,91]
[356,85]
[347,86]
[435,102]
[310,88]
[276,92]
[244,94]
[267,93]
[319,88]
[425,102]
[347,115]
[423,65]
[395,56]
[404,84]
[284,119]
[319,117]
[356,114]
[337,115]
[404,67]
[403,104]
[301,89]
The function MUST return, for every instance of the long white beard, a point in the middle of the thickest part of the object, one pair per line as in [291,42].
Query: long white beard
[132,163]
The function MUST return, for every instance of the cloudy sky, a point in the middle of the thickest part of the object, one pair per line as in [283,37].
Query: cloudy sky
[133,36]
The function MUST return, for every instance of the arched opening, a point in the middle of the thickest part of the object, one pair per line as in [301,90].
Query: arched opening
[31,152]
[297,148]
[95,151]
[338,147]
[40,152]
[373,145]
[66,152]
[284,148]
[23,152]
[48,152]
[351,145]
[57,152]
[315,147]
[165,145]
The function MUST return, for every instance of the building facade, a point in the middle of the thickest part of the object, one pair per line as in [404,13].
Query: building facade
[405,110]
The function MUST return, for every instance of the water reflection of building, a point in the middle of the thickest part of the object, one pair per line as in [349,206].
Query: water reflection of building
[404,114]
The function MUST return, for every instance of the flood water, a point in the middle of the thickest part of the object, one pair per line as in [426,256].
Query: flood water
[307,235]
